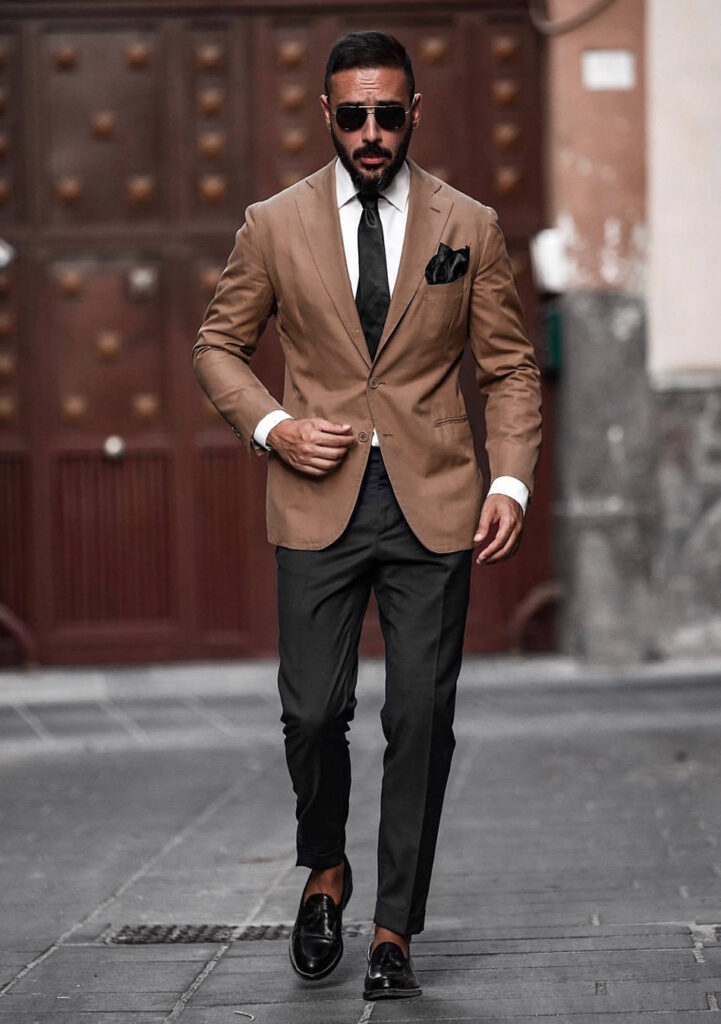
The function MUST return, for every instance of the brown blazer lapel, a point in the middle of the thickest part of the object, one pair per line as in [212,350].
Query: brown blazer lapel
[318,212]
[428,214]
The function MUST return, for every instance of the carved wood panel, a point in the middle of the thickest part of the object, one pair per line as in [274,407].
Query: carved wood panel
[15,539]
[112,540]
[216,118]
[13,411]
[110,353]
[103,133]
[9,128]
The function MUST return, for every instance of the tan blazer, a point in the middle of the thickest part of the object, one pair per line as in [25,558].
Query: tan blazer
[288,261]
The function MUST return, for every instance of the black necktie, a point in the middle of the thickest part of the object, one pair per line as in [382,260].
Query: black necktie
[373,295]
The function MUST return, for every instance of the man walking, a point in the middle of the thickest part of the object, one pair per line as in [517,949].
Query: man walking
[378,275]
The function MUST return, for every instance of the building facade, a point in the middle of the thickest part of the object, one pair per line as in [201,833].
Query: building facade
[132,137]
[634,164]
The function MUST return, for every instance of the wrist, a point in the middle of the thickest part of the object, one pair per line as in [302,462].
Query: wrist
[272,437]
[268,422]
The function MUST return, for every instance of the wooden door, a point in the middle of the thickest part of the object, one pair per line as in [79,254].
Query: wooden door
[130,145]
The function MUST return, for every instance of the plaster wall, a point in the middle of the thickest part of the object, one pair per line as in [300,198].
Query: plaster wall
[596,151]
[684,176]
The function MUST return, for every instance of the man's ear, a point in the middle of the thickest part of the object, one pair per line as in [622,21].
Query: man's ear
[416,114]
[325,106]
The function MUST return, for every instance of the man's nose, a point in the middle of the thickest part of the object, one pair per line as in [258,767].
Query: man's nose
[371,131]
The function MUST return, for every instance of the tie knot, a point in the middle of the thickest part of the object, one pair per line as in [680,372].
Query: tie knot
[369,202]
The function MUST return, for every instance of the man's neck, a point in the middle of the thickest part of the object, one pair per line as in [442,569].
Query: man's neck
[396,192]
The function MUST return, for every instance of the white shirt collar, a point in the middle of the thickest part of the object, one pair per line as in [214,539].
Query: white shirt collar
[396,193]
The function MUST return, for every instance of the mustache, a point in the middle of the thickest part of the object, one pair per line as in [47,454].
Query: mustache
[362,151]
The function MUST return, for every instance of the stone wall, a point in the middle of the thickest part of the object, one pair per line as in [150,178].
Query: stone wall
[638,436]
[607,509]
[686,569]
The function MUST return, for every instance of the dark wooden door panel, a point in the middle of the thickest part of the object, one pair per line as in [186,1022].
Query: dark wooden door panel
[113,551]
[130,146]
[14,408]
[15,539]
[225,501]
[102,125]
[216,161]
[106,317]
[10,130]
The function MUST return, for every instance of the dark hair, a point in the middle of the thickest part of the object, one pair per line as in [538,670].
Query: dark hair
[368,50]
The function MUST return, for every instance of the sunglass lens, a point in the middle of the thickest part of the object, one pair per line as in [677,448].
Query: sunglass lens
[390,119]
[350,119]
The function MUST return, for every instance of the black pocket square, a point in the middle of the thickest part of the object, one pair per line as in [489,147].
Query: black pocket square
[447,265]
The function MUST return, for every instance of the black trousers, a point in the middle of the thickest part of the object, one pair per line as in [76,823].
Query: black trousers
[422,598]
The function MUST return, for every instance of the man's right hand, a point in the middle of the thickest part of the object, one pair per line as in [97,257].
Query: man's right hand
[312,446]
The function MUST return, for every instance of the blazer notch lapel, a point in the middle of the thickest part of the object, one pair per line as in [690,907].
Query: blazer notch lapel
[319,216]
[428,214]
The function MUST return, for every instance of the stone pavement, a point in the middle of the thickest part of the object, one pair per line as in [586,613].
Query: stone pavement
[578,873]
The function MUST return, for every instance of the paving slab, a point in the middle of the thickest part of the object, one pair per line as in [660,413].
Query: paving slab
[577,876]
[59,1016]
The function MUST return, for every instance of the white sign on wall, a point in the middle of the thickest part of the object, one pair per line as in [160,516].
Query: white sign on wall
[608,69]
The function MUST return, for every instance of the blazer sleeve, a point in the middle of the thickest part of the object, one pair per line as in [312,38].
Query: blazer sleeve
[506,369]
[235,318]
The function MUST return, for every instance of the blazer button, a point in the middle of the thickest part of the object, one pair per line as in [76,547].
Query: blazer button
[373,382]
[362,436]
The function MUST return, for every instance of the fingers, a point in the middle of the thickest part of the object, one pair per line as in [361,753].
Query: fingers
[330,435]
[505,526]
[321,463]
[316,446]
[503,552]
[333,440]
[506,515]
[308,453]
[318,460]
[484,526]
[507,535]
[331,428]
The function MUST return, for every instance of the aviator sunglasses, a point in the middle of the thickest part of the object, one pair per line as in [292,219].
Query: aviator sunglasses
[390,117]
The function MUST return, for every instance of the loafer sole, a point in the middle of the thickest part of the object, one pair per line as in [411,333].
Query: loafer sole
[392,993]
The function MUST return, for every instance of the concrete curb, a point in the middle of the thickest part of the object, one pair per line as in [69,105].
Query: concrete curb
[257,678]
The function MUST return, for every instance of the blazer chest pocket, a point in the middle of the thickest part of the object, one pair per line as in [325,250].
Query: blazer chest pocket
[444,292]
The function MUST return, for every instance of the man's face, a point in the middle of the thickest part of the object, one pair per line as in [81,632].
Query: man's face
[371,155]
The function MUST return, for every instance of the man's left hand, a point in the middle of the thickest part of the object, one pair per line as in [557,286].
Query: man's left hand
[507,515]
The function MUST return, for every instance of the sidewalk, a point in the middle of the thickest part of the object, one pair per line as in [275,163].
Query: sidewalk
[578,873]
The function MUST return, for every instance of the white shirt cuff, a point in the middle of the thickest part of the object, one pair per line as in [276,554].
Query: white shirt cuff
[512,487]
[267,423]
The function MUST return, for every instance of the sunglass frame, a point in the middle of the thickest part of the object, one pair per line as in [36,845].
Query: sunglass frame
[373,107]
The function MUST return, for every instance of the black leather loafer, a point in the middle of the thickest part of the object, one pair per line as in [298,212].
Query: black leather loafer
[390,974]
[316,942]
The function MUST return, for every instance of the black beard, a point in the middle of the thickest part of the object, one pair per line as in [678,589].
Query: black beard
[373,186]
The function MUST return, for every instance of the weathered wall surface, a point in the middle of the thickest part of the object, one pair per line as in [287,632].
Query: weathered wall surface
[639,452]
[596,155]
[684,172]
[687,559]
[605,448]
[606,509]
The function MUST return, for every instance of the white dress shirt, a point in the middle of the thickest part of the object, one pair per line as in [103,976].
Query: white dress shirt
[393,212]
